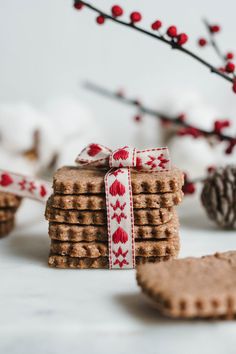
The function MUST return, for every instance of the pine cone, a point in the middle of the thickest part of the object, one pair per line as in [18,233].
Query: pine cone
[219,196]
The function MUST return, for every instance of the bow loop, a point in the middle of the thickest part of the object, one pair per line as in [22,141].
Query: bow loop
[124,157]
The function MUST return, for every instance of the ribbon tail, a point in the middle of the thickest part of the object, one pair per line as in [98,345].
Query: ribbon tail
[25,186]
[120,219]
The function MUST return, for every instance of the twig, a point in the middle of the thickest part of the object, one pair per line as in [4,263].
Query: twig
[213,42]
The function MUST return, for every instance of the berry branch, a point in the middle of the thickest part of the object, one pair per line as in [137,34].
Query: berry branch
[179,121]
[172,38]
[228,66]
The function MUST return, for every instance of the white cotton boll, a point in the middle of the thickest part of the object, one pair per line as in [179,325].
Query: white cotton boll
[18,124]
[192,155]
[16,163]
[18,121]
[177,102]
[70,117]
[202,116]
[73,147]
[223,159]
[74,126]
[50,141]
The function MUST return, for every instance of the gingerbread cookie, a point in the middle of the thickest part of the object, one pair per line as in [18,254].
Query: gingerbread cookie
[192,287]
[100,249]
[98,202]
[8,200]
[6,227]
[141,216]
[76,180]
[93,263]
[7,214]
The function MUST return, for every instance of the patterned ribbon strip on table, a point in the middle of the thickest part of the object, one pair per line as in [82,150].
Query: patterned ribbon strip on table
[119,201]
[23,186]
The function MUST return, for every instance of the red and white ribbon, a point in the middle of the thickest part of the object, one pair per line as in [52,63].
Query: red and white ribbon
[119,201]
[23,186]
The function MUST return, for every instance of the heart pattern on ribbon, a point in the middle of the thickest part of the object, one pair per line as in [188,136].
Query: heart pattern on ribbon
[121,154]
[117,188]
[120,235]
[6,180]
[94,150]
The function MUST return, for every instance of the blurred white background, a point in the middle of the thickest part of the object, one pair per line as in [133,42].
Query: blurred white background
[48,50]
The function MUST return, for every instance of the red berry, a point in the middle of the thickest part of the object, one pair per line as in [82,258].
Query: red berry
[135,17]
[202,42]
[117,11]
[211,169]
[138,118]
[219,125]
[214,28]
[182,39]
[156,25]
[229,56]
[229,67]
[100,20]
[192,131]
[189,188]
[78,5]
[234,87]
[172,31]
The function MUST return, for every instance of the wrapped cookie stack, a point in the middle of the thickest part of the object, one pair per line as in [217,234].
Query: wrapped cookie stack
[77,215]
[9,204]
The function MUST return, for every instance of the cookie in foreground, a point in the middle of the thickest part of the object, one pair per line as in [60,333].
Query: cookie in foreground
[192,287]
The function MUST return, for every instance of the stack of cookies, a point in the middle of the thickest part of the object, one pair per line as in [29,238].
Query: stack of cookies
[9,204]
[77,217]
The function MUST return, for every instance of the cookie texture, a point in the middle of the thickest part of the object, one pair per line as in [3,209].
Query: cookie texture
[192,287]
[98,217]
[6,227]
[77,180]
[100,249]
[64,262]
[8,200]
[76,233]
[98,202]
[7,214]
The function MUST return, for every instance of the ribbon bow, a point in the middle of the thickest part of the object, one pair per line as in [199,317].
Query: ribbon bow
[156,159]
[118,190]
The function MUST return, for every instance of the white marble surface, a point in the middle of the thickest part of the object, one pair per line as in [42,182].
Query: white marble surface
[46,310]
